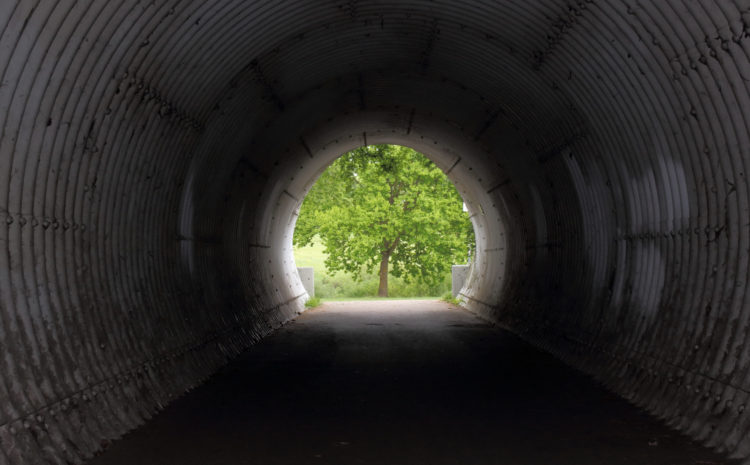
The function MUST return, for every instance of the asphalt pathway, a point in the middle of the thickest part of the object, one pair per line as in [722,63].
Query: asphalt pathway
[400,382]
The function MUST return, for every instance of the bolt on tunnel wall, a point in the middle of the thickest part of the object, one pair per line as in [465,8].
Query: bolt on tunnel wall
[152,156]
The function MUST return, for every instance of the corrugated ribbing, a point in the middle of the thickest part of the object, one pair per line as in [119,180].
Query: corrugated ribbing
[153,156]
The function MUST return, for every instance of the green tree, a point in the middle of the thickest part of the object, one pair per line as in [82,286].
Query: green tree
[386,206]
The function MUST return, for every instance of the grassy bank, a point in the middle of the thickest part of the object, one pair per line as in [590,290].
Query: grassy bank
[340,286]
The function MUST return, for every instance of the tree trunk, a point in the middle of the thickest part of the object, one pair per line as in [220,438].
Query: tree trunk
[383,287]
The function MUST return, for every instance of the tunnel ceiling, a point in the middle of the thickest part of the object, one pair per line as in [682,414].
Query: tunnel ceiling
[154,155]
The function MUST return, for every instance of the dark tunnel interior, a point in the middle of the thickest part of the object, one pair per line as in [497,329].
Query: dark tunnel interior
[154,155]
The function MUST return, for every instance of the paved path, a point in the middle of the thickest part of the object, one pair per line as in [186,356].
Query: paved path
[400,382]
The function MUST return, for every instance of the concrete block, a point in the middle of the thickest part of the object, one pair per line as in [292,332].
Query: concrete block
[307,276]
[459,273]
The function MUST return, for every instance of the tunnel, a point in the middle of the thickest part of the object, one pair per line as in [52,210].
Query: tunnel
[154,155]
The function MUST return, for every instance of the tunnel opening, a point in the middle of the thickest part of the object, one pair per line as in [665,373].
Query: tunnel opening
[483,218]
[382,212]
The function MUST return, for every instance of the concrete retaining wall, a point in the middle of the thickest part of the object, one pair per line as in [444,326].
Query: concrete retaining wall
[307,276]
[459,273]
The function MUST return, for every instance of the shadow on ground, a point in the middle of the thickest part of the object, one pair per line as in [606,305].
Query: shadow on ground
[400,382]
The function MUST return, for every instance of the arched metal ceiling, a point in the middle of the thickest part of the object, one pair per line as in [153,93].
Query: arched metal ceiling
[153,155]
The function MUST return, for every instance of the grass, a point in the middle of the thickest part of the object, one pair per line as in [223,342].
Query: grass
[313,255]
[312,302]
[448,297]
[345,299]
[341,286]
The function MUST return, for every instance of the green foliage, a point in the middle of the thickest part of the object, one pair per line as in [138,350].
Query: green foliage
[312,302]
[448,297]
[340,285]
[386,207]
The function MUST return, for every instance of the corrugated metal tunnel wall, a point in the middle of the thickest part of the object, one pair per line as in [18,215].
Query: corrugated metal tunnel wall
[153,155]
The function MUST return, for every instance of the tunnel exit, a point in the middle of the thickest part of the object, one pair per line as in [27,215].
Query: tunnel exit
[381,213]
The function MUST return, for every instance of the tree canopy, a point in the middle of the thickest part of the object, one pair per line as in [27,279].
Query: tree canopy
[386,206]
